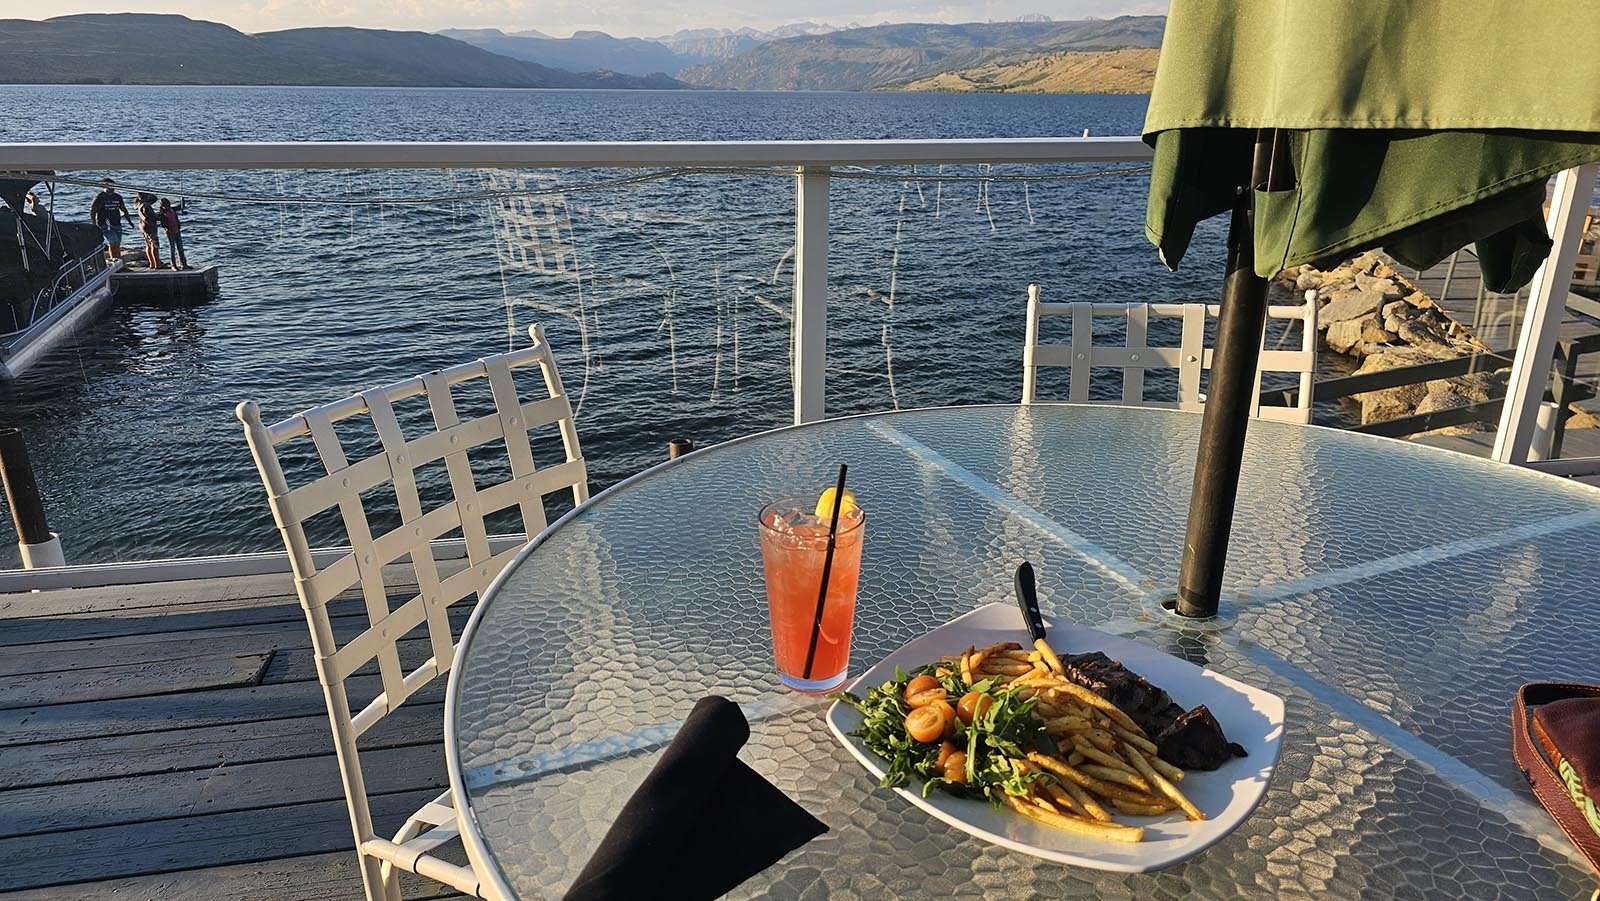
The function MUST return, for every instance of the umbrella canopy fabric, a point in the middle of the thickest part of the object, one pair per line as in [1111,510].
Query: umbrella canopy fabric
[1418,127]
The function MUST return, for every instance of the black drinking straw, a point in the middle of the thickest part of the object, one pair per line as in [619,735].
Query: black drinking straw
[827,568]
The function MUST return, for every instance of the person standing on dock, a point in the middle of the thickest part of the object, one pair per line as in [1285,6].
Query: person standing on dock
[174,227]
[107,212]
[150,224]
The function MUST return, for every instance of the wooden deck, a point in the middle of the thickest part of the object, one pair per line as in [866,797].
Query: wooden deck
[169,741]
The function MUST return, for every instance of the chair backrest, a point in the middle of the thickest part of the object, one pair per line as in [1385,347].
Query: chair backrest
[338,482]
[1135,354]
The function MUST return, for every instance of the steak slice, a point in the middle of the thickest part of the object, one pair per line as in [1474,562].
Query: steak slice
[1144,703]
[1195,742]
[1191,741]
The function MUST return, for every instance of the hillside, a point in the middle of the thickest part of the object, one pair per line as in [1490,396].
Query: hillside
[1069,72]
[130,48]
[861,59]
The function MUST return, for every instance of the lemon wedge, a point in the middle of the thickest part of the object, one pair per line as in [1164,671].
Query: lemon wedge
[825,503]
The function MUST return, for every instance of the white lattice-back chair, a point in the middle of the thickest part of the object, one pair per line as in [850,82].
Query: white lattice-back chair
[339,482]
[1135,355]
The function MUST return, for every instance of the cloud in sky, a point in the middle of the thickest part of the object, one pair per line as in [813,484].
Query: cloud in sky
[560,17]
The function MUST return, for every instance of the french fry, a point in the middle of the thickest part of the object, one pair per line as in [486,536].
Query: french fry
[1102,740]
[1048,655]
[1066,724]
[1138,741]
[1166,769]
[1075,758]
[1045,710]
[1116,775]
[983,655]
[1062,799]
[1035,679]
[1004,668]
[966,667]
[1143,810]
[1112,831]
[1083,800]
[1162,785]
[1093,753]
[1108,790]
[1093,700]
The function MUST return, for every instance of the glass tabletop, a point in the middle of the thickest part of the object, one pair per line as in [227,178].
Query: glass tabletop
[1395,595]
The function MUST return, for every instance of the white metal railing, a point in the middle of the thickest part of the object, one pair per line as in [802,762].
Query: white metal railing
[811,161]
[67,283]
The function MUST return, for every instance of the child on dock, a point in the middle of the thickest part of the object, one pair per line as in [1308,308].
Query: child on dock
[150,224]
[174,228]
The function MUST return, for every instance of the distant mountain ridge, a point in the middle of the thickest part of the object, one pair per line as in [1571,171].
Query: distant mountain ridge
[584,51]
[861,59]
[587,50]
[140,48]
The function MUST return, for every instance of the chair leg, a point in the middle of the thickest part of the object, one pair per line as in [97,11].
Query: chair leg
[380,879]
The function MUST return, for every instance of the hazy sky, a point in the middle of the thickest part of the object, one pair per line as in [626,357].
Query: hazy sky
[561,17]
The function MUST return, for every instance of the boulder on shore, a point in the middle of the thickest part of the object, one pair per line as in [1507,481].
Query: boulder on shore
[1390,403]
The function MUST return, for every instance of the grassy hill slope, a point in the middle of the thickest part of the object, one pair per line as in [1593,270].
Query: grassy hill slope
[1071,72]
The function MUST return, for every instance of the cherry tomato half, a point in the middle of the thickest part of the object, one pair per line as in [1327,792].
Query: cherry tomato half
[924,690]
[925,724]
[972,705]
[947,714]
[946,750]
[955,768]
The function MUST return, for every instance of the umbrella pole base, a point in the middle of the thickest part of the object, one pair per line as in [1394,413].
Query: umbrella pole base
[1230,398]
[1162,610]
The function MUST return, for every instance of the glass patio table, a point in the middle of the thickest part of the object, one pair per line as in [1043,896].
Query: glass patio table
[1395,595]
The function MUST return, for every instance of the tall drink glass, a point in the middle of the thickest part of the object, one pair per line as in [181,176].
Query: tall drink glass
[794,543]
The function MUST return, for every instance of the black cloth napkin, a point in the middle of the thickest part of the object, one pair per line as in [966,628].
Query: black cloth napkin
[701,823]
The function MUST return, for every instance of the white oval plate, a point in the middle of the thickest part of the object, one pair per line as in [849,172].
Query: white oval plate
[1250,716]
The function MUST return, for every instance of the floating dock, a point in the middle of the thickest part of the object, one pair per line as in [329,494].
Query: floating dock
[138,284]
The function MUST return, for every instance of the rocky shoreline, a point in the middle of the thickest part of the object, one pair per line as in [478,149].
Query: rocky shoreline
[1376,315]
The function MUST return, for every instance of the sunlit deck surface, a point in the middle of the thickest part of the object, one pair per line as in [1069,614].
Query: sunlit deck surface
[169,741]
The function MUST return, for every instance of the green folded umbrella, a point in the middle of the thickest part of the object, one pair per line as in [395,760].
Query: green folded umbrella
[1417,126]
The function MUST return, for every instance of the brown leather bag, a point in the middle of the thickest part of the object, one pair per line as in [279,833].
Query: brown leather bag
[1558,750]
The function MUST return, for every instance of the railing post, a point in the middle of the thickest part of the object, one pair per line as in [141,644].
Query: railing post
[1547,306]
[810,293]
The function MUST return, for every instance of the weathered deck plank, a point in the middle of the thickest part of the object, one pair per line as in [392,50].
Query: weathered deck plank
[316,877]
[169,741]
[243,786]
[61,656]
[127,680]
[206,747]
[187,842]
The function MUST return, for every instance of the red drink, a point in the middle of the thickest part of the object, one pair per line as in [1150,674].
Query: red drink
[794,544]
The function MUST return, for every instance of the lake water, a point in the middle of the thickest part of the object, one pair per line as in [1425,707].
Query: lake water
[680,285]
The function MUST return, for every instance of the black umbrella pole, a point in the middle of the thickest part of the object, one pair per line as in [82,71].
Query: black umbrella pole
[1227,412]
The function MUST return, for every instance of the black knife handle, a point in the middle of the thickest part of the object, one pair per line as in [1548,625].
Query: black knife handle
[1028,600]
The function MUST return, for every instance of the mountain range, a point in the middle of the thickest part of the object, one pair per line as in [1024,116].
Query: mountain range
[668,55]
[137,48]
[132,48]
